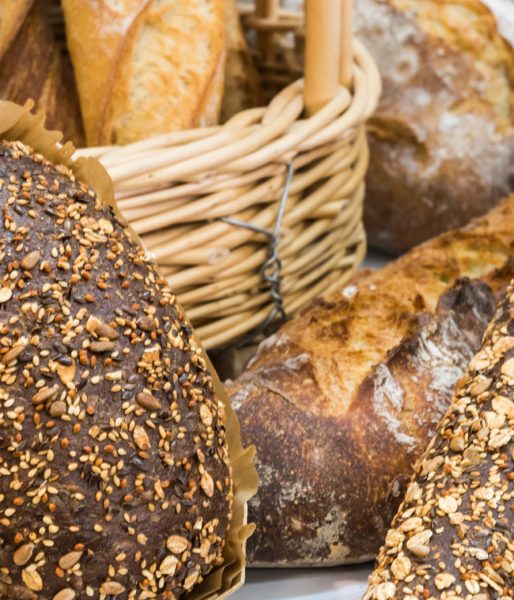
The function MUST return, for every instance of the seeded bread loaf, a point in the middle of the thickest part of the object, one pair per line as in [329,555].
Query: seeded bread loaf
[115,479]
[345,397]
[453,536]
[442,138]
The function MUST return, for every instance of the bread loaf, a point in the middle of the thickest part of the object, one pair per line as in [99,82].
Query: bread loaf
[453,535]
[33,67]
[344,398]
[158,65]
[503,10]
[115,479]
[13,15]
[442,139]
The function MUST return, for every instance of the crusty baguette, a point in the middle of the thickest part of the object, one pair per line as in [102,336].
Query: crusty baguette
[453,536]
[34,67]
[158,65]
[12,15]
[242,85]
[345,397]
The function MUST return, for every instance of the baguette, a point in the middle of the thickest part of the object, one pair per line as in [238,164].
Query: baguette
[453,534]
[159,65]
[13,13]
[346,396]
[34,67]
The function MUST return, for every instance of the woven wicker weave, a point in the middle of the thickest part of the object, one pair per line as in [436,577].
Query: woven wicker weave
[201,198]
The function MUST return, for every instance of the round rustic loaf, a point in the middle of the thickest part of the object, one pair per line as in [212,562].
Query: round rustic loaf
[442,139]
[344,398]
[115,479]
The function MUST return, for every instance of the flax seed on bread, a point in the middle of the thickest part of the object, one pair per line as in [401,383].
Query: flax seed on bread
[453,534]
[115,479]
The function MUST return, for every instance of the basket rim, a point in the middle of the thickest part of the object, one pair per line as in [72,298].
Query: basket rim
[176,188]
[367,87]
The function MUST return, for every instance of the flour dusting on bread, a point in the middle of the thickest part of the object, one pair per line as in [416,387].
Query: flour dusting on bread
[343,399]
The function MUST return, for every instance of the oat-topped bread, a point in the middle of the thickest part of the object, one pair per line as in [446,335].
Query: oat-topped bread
[346,396]
[114,473]
[453,536]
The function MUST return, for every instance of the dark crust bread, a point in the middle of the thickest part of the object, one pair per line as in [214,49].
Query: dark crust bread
[441,152]
[453,535]
[114,473]
[345,397]
[13,14]
[34,67]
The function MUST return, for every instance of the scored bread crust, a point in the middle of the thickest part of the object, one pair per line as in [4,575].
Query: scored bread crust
[344,398]
[158,65]
[442,138]
[95,34]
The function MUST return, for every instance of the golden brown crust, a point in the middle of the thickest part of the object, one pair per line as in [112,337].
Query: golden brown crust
[504,16]
[34,67]
[343,399]
[442,139]
[92,43]
[453,534]
[158,65]
[209,109]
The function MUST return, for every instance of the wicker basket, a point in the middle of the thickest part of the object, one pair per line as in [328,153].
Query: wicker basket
[252,219]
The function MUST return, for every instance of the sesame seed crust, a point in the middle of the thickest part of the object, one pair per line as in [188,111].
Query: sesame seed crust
[115,480]
[453,534]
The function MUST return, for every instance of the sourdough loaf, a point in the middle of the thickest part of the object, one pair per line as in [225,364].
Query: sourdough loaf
[453,536]
[503,10]
[345,397]
[34,67]
[158,65]
[442,139]
[115,480]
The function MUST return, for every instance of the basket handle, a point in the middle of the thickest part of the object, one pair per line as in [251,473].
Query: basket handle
[346,39]
[328,50]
